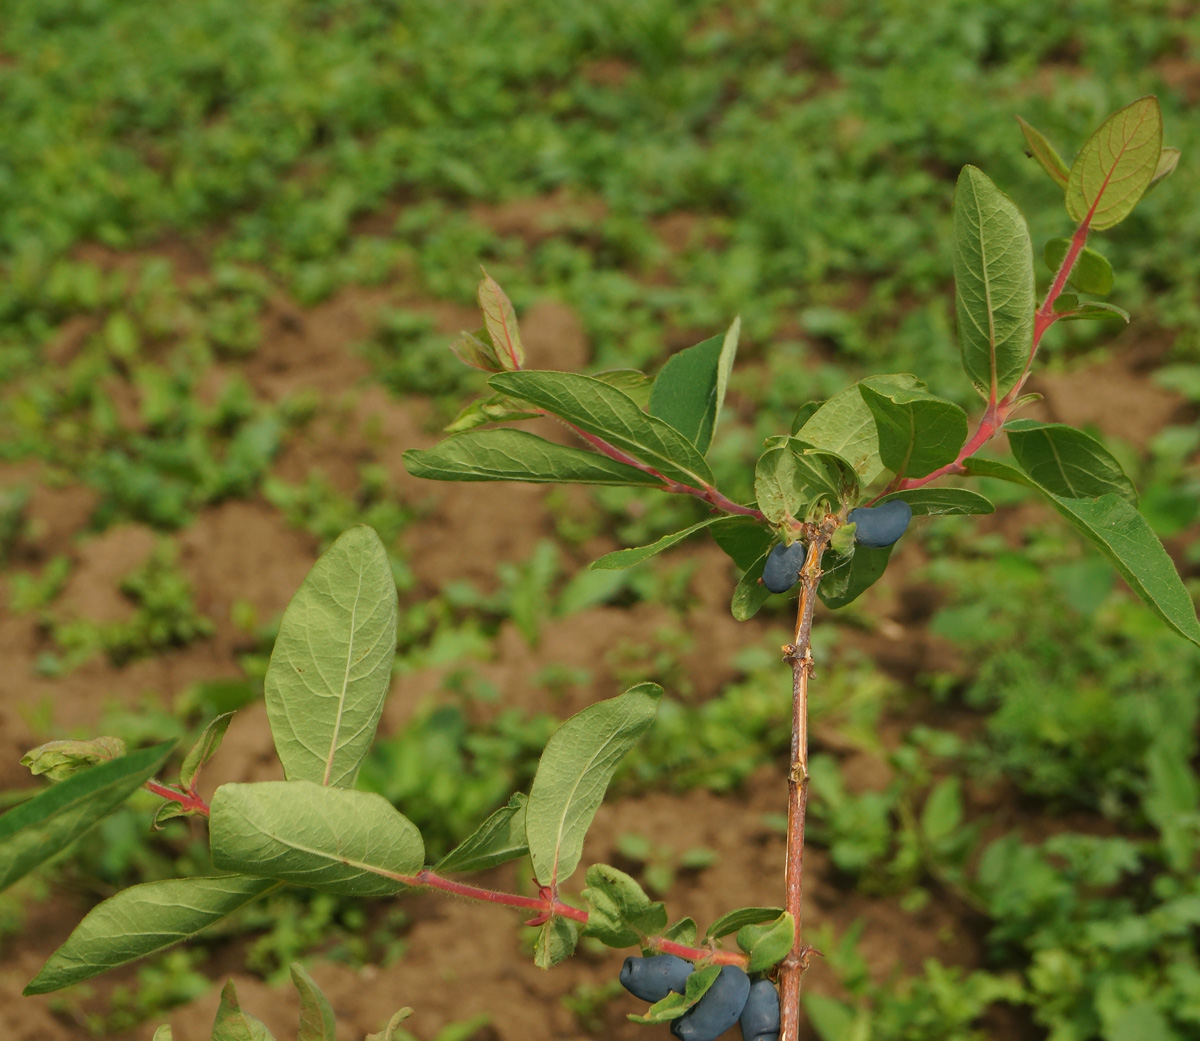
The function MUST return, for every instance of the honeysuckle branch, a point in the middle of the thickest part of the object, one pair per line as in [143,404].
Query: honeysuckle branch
[798,654]
[189,800]
[997,412]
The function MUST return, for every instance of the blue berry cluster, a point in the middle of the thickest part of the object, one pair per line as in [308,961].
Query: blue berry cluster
[731,999]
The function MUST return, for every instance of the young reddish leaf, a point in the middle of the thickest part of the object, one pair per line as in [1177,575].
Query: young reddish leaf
[1045,153]
[1116,165]
[501,322]
[472,351]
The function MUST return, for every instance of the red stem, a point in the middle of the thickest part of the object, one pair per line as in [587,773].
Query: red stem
[188,800]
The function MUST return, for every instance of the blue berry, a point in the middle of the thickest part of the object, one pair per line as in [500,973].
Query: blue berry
[782,569]
[760,1018]
[718,1010]
[653,978]
[880,526]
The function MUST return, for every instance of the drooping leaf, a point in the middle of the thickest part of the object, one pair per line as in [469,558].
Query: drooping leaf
[750,594]
[1116,165]
[598,409]
[674,1004]
[1045,153]
[743,539]
[993,284]
[1097,310]
[768,942]
[556,942]
[141,920]
[1092,272]
[1067,462]
[690,390]
[573,775]
[232,1024]
[516,455]
[848,575]
[1168,160]
[935,502]
[624,558]
[36,830]
[845,426]
[620,914]
[332,664]
[203,750]
[501,322]
[58,760]
[732,921]
[1122,535]
[316,1014]
[918,431]
[336,839]
[498,839]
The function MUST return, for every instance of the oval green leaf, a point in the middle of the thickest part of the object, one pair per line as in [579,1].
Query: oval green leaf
[336,839]
[332,664]
[1067,462]
[498,839]
[144,919]
[918,432]
[1092,272]
[943,502]
[690,390]
[732,921]
[573,775]
[1116,165]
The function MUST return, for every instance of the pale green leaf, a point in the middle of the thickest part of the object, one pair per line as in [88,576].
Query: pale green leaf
[232,1024]
[556,941]
[732,921]
[58,760]
[495,408]
[1067,462]
[918,432]
[993,284]
[620,914]
[602,411]
[1168,160]
[332,664]
[497,840]
[623,558]
[1116,165]
[336,839]
[844,426]
[142,920]
[163,1033]
[516,455]
[573,775]
[316,1014]
[768,942]
[631,382]
[36,830]
[393,1030]
[203,750]
[1045,153]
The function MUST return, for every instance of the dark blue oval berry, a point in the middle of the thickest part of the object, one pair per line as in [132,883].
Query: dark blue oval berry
[880,526]
[760,1018]
[718,1010]
[653,978]
[782,569]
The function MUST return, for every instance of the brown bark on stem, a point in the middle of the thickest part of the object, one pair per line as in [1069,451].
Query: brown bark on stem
[798,654]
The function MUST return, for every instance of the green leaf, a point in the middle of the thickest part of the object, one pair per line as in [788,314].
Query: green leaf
[845,426]
[1122,535]
[1065,302]
[498,839]
[1092,272]
[1116,165]
[232,1024]
[625,558]
[675,1005]
[683,931]
[203,750]
[743,539]
[573,775]
[1045,153]
[620,914]
[1168,160]
[792,476]
[163,1033]
[603,411]
[942,814]
[1097,310]
[58,760]
[750,594]
[776,487]
[471,350]
[833,1020]
[918,432]
[632,382]
[332,664]
[393,1031]
[1067,462]
[556,941]
[804,413]
[516,455]
[316,1014]
[495,408]
[501,322]
[49,822]
[335,839]
[847,576]
[732,921]
[141,920]
[767,943]
[690,390]
[993,285]
[935,502]
[1170,802]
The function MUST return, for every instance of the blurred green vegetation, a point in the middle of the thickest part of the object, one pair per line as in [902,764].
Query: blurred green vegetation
[172,172]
